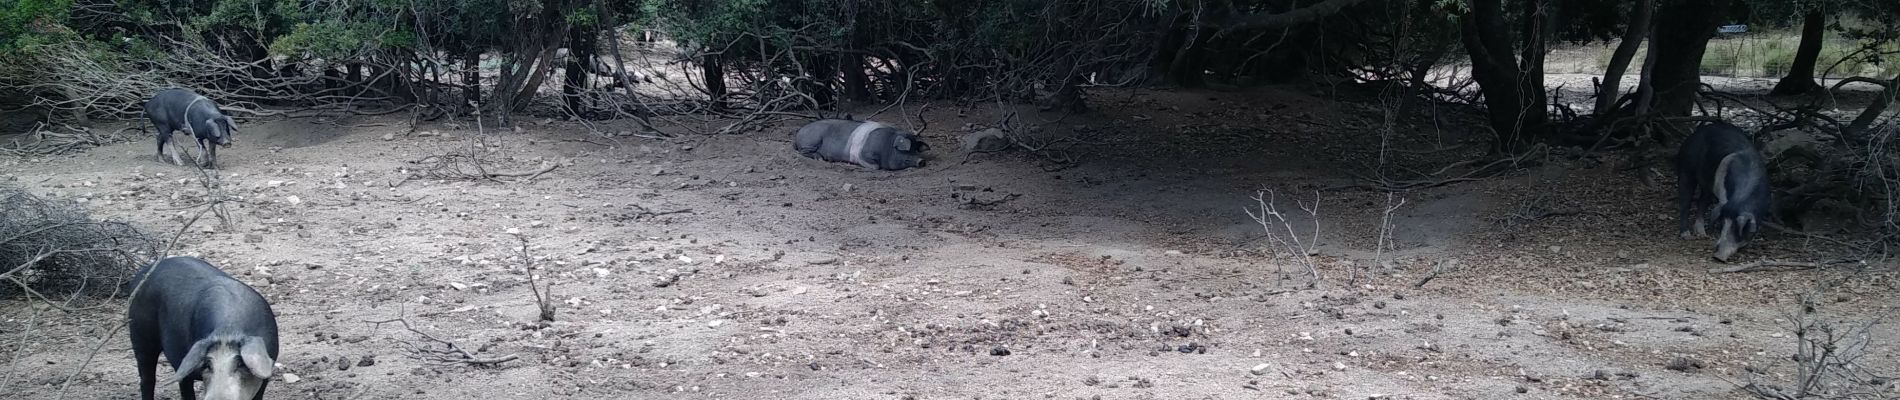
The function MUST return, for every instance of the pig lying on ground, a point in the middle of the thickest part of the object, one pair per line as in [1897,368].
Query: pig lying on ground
[868,144]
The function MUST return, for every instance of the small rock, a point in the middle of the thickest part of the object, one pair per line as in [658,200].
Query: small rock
[253,238]
[291,378]
[999,351]
[1556,249]
[847,187]
[987,140]
[715,323]
[657,171]
[273,183]
[343,363]
[389,137]
[458,286]
[1339,366]
[1684,364]
[366,361]
[1261,369]
[1173,252]
[293,200]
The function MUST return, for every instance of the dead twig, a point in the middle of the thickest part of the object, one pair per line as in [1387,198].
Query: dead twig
[1765,265]
[543,299]
[452,353]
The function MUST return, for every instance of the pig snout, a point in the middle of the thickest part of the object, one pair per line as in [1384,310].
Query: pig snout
[1728,241]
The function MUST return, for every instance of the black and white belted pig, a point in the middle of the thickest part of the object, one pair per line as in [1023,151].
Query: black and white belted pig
[868,144]
[176,109]
[209,326]
[1718,167]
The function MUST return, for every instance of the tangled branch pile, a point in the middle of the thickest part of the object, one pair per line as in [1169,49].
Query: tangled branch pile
[52,247]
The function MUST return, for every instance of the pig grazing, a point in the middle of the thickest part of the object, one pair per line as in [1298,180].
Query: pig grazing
[868,144]
[1719,164]
[209,326]
[179,109]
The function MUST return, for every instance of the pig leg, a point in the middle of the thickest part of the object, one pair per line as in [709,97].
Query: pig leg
[206,153]
[177,148]
[148,370]
[1688,199]
[164,134]
[185,390]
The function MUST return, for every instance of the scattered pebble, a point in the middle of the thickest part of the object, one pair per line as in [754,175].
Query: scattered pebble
[1261,369]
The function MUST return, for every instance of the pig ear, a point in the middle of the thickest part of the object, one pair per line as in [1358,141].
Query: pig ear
[257,358]
[230,125]
[193,361]
[216,124]
[903,144]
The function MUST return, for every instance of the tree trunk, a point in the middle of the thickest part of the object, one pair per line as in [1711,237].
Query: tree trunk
[580,58]
[472,76]
[1537,33]
[1514,105]
[543,67]
[1172,36]
[1633,36]
[1800,79]
[1679,45]
[715,75]
[857,87]
[1188,69]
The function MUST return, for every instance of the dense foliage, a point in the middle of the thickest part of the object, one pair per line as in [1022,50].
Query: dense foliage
[816,54]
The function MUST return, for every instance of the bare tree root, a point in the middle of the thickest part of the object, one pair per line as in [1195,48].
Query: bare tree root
[469,165]
[1444,177]
[450,353]
[48,142]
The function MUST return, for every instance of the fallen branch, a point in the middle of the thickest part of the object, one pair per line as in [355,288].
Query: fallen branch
[453,354]
[647,212]
[1766,266]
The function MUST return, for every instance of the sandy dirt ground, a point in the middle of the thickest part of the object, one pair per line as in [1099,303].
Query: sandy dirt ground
[727,266]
